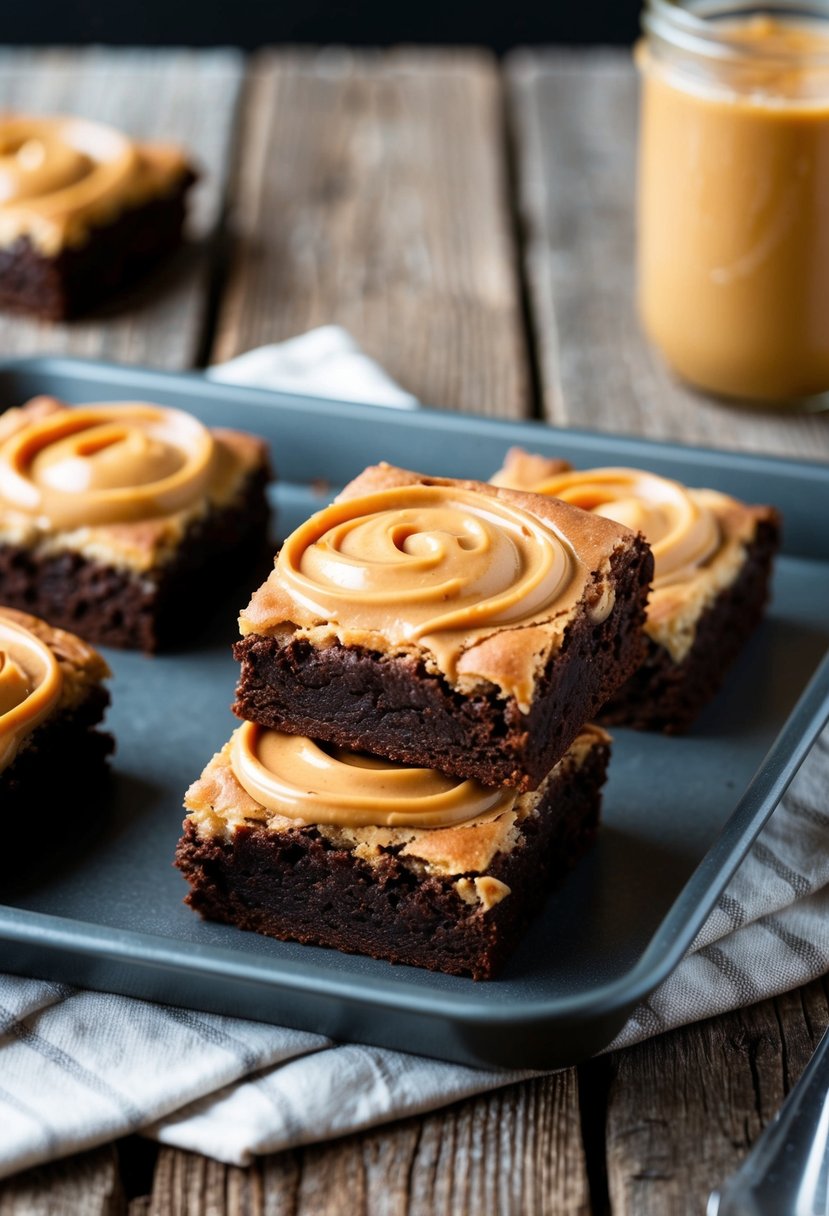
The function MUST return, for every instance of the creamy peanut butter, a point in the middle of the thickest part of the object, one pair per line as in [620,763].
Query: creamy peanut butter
[733,225]
[219,806]
[682,531]
[59,176]
[120,483]
[459,572]
[313,783]
[106,464]
[423,561]
[31,683]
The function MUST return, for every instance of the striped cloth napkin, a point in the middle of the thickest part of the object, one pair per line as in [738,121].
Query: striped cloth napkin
[80,1068]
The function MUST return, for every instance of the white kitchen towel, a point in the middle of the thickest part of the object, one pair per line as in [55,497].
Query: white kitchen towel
[80,1068]
[325,362]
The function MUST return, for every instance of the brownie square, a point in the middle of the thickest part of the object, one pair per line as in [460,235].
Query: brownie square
[86,212]
[450,898]
[446,624]
[713,563]
[117,520]
[51,700]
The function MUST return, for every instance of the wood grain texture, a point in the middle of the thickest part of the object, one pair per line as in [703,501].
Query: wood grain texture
[180,96]
[372,193]
[513,1152]
[575,121]
[684,1108]
[85,1185]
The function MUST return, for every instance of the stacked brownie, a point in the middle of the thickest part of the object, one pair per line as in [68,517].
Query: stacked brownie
[415,768]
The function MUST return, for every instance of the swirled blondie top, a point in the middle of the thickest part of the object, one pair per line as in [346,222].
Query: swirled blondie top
[357,801]
[118,483]
[61,177]
[416,602]
[45,674]
[481,583]
[699,537]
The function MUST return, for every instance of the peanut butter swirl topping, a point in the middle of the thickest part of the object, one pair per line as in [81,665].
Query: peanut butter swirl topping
[314,783]
[106,464]
[682,532]
[58,175]
[30,686]
[418,561]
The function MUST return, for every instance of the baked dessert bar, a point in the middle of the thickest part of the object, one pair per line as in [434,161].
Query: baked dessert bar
[84,211]
[51,700]
[713,558]
[446,624]
[304,842]
[114,517]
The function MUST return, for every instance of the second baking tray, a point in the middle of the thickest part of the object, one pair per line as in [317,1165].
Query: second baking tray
[102,907]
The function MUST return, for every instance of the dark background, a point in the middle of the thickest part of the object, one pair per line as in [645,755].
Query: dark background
[253,23]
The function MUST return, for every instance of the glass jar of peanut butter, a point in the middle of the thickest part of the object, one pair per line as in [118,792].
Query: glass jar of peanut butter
[733,215]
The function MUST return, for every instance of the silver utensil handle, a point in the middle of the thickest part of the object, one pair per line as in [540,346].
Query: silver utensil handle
[787,1171]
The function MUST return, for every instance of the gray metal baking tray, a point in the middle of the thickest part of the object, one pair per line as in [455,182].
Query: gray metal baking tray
[102,906]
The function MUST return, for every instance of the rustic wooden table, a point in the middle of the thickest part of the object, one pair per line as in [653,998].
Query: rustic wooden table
[472,225]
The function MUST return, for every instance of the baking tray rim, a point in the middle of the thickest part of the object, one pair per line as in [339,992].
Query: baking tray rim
[447,420]
[679,925]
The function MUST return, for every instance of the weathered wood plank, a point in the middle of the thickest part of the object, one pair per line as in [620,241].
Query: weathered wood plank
[512,1152]
[86,1185]
[575,121]
[182,96]
[684,1109]
[372,193]
[186,1184]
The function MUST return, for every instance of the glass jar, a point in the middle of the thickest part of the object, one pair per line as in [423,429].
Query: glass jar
[733,209]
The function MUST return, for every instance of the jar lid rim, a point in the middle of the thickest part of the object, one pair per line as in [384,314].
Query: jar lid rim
[696,27]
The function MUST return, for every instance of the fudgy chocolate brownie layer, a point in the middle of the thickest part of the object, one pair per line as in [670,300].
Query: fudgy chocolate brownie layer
[79,277]
[65,745]
[392,706]
[297,886]
[667,696]
[117,607]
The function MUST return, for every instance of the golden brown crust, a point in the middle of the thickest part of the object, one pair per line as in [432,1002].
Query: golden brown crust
[461,850]
[522,470]
[218,792]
